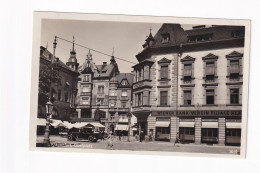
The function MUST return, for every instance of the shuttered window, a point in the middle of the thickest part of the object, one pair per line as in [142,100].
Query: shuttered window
[163,98]
[164,72]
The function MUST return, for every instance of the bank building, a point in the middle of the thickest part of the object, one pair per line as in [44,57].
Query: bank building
[189,83]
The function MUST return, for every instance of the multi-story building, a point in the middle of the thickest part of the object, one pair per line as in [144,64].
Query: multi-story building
[62,91]
[104,95]
[189,83]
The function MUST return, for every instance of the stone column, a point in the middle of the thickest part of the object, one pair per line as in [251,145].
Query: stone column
[174,130]
[79,113]
[198,130]
[151,125]
[221,131]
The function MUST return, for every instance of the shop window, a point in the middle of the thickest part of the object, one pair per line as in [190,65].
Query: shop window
[164,72]
[209,132]
[187,97]
[234,96]
[210,97]
[163,98]
[233,132]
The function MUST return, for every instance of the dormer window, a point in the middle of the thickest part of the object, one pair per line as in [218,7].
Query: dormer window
[165,38]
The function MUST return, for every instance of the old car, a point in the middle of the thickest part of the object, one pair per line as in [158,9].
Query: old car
[86,133]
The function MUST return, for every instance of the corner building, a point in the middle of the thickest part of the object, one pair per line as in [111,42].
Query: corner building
[189,83]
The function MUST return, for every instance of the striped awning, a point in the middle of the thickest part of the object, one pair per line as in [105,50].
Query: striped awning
[187,124]
[162,124]
[209,124]
[233,125]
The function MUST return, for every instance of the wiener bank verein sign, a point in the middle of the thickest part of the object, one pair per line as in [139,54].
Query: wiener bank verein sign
[198,113]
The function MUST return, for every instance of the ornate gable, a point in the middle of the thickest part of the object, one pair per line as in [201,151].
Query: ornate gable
[234,54]
[187,58]
[210,56]
[124,83]
[164,60]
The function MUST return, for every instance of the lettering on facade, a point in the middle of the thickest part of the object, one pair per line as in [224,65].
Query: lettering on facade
[198,113]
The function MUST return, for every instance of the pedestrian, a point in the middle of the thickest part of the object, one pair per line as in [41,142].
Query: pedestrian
[110,139]
[103,135]
[119,135]
[141,136]
[177,140]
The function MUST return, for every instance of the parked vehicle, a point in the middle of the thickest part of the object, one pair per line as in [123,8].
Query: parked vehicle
[86,133]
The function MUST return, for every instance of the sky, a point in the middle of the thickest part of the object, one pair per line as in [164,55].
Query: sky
[124,37]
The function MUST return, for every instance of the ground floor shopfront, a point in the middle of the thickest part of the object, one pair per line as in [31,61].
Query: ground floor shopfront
[209,127]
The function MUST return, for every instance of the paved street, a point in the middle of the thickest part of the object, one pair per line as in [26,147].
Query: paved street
[58,141]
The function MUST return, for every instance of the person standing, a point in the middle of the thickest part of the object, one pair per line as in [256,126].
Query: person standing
[110,139]
[177,140]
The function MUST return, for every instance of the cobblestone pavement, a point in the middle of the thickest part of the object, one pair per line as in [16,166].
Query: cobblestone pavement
[58,141]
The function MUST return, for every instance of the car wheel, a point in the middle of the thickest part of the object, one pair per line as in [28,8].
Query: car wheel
[90,138]
[70,138]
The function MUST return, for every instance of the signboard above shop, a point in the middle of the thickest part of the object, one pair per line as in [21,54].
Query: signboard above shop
[198,113]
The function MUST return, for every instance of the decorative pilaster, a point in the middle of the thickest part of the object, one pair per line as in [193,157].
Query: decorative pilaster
[221,131]
[197,130]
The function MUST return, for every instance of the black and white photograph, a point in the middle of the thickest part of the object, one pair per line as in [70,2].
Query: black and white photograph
[137,85]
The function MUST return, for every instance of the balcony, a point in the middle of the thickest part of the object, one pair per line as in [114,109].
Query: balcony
[146,83]
[146,108]
[123,109]
[112,109]
[112,97]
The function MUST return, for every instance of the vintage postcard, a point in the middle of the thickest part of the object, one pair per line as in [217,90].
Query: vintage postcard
[139,84]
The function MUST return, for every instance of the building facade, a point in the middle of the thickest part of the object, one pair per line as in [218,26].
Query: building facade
[188,83]
[104,95]
[63,91]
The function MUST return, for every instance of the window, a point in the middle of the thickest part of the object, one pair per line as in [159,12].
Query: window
[234,96]
[124,83]
[149,95]
[112,93]
[124,93]
[209,96]
[139,99]
[234,69]
[164,97]
[101,89]
[59,95]
[210,71]
[187,72]
[123,104]
[100,101]
[112,105]
[164,72]
[85,100]
[85,113]
[86,78]
[86,88]
[139,75]
[165,38]
[187,97]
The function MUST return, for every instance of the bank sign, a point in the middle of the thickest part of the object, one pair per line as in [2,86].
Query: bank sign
[198,113]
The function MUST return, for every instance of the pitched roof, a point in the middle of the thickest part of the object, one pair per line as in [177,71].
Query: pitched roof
[104,70]
[45,54]
[128,76]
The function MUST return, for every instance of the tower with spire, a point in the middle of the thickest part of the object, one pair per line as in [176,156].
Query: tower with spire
[149,40]
[72,61]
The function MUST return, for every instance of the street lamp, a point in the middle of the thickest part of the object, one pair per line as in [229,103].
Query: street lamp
[46,140]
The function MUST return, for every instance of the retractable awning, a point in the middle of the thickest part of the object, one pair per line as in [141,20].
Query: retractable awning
[162,123]
[96,124]
[233,125]
[186,124]
[121,127]
[209,125]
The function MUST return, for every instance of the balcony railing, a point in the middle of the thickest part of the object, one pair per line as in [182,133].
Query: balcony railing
[100,95]
[143,83]
[122,109]
[85,93]
[124,98]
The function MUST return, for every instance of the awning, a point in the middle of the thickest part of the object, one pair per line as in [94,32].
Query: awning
[41,122]
[134,129]
[56,123]
[233,125]
[162,124]
[121,120]
[96,124]
[79,125]
[121,127]
[186,124]
[209,125]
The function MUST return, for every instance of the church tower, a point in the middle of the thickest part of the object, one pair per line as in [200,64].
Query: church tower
[72,62]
